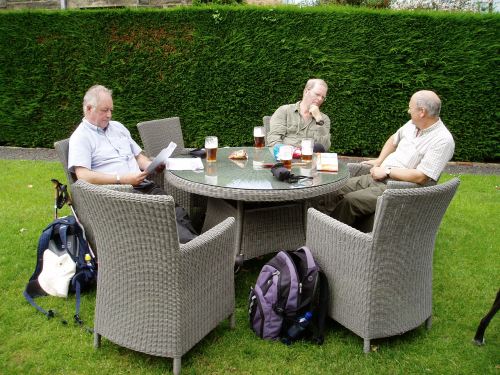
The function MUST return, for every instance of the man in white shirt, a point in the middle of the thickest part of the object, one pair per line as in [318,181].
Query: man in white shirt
[102,151]
[417,152]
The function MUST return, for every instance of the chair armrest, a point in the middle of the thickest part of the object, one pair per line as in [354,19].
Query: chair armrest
[123,188]
[214,244]
[358,169]
[393,184]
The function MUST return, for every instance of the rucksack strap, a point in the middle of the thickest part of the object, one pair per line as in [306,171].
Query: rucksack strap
[324,298]
[49,314]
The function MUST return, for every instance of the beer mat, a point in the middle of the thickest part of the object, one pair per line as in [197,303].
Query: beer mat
[327,162]
[238,155]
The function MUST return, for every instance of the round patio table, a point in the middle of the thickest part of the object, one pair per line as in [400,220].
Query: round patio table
[270,214]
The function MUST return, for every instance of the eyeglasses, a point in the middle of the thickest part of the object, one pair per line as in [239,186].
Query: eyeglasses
[323,98]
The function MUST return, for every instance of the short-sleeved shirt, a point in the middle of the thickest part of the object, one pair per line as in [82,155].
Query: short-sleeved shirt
[426,150]
[111,150]
[289,127]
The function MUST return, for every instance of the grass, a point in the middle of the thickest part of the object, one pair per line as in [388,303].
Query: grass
[466,279]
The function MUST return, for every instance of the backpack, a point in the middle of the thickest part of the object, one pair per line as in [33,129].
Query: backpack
[288,286]
[64,263]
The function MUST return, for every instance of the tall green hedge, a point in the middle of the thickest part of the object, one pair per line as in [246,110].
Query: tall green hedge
[222,68]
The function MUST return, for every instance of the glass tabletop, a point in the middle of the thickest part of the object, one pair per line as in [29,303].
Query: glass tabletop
[254,173]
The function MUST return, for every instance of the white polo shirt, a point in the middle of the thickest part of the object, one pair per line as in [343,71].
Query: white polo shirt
[111,150]
[427,150]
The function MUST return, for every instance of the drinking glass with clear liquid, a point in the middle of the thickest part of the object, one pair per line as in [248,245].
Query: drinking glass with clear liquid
[307,147]
[286,155]
[211,145]
[259,135]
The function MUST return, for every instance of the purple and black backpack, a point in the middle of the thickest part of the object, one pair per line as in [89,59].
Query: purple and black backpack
[288,286]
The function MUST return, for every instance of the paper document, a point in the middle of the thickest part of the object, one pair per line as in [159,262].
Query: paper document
[184,164]
[162,157]
[327,162]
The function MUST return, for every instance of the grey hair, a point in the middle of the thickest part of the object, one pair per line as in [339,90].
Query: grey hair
[92,95]
[313,82]
[429,101]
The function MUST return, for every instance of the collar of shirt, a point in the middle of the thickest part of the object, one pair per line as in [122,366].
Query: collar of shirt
[93,127]
[420,132]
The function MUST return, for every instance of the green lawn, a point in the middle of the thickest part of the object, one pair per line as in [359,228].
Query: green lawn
[466,279]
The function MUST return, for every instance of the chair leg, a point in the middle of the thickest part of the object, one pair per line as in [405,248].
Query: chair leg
[428,322]
[232,321]
[177,365]
[97,340]
[366,346]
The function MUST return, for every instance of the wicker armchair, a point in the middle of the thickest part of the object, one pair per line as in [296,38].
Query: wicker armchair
[326,203]
[154,295]
[381,282]
[81,211]
[266,121]
[155,136]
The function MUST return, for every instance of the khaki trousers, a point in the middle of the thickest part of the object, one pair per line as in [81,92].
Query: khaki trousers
[358,198]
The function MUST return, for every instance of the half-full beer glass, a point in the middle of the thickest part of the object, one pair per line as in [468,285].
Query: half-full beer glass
[211,144]
[286,155]
[307,146]
[259,135]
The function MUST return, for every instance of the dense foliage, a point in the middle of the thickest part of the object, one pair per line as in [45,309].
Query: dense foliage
[222,68]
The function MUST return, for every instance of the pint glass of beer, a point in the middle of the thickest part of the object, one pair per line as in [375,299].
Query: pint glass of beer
[211,144]
[307,149]
[286,154]
[259,136]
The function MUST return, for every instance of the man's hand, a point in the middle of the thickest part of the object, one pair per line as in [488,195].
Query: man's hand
[160,168]
[133,179]
[315,112]
[373,162]
[378,173]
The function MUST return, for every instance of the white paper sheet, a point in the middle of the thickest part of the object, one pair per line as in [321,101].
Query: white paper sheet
[162,157]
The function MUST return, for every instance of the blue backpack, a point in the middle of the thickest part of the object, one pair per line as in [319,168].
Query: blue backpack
[289,287]
[64,263]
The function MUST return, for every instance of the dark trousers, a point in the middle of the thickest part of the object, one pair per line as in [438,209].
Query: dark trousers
[185,229]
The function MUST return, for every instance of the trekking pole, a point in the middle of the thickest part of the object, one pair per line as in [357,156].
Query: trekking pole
[57,188]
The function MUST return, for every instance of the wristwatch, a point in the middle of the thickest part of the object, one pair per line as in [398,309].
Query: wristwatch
[320,122]
[387,171]
[118,179]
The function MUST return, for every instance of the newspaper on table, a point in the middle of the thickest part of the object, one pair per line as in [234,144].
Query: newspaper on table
[162,157]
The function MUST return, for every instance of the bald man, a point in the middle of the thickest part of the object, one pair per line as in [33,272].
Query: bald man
[417,152]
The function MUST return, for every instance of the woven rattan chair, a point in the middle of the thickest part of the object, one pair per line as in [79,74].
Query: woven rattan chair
[62,149]
[266,120]
[81,211]
[155,136]
[381,282]
[326,203]
[154,295]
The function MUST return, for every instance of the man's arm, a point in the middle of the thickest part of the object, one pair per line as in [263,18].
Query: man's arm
[400,174]
[389,148]
[99,178]
[143,161]
[277,127]
[322,133]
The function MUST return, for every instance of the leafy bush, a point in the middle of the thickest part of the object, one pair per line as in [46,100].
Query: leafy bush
[222,68]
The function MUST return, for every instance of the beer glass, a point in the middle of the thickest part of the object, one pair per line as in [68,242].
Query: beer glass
[307,149]
[286,154]
[211,144]
[211,174]
[259,136]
